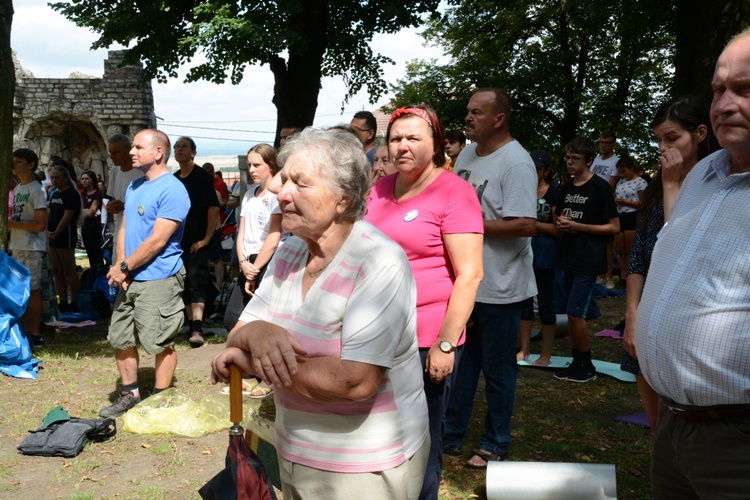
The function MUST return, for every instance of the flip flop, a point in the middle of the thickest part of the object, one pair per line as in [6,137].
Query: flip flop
[486,456]
[248,386]
[261,391]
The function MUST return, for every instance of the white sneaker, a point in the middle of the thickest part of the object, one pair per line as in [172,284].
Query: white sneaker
[609,284]
[600,281]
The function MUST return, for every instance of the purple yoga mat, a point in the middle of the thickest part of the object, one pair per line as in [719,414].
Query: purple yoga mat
[635,418]
[615,334]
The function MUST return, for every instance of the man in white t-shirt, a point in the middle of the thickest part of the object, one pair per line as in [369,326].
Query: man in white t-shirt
[605,166]
[605,163]
[120,177]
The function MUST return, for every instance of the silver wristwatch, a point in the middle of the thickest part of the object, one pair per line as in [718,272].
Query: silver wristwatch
[446,346]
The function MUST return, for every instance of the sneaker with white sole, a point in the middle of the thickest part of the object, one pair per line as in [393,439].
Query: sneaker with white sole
[583,374]
[609,284]
[567,371]
[126,401]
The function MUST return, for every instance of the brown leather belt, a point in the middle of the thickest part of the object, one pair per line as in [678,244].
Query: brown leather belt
[708,413]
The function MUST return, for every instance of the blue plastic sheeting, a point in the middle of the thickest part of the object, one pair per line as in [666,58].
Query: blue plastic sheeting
[15,352]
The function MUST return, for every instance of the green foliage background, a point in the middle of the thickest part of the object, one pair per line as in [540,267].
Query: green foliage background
[572,67]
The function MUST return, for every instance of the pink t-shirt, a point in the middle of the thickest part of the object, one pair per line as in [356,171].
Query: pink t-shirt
[447,206]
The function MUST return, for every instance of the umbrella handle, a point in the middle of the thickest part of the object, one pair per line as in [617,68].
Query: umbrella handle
[235,394]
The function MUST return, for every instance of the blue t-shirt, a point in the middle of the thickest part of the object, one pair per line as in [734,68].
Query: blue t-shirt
[165,198]
[371,155]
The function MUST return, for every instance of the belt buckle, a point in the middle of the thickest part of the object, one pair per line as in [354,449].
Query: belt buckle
[676,410]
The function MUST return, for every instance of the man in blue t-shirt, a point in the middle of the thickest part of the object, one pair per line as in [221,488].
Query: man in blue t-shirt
[149,270]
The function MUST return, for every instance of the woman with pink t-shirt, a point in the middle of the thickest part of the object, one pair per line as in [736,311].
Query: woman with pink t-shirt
[436,218]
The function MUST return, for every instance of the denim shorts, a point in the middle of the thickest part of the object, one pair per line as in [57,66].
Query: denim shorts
[573,292]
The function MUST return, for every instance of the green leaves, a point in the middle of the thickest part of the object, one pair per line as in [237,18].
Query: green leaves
[301,40]
[572,67]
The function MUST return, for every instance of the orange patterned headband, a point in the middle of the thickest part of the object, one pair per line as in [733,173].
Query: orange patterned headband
[420,112]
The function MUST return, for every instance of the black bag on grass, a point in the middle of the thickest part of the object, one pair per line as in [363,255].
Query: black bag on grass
[89,276]
[67,439]
[93,297]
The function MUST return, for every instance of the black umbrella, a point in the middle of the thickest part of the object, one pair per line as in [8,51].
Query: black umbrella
[244,477]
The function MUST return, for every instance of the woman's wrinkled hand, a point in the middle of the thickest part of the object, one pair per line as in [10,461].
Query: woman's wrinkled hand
[230,356]
[273,351]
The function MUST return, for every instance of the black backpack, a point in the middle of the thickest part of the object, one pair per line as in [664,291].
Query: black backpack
[89,276]
[92,298]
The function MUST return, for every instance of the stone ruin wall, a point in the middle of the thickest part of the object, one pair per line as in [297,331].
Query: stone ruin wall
[72,117]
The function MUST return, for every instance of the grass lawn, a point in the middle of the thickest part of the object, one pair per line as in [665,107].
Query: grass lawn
[553,421]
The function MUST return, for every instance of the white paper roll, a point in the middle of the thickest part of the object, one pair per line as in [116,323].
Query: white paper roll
[550,481]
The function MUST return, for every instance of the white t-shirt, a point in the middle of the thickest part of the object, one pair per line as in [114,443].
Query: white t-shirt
[236,192]
[361,308]
[118,184]
[628,190]
[27,198]
[506,184]
[605,168]
[256,216]
[103,214]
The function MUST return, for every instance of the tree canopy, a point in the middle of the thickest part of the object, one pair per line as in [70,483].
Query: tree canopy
[702,29]
[572,66]
[300,40]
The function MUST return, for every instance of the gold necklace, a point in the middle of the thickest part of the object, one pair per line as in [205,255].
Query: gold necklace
[317,273]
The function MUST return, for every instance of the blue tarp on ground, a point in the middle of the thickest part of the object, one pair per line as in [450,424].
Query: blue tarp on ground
[15,352]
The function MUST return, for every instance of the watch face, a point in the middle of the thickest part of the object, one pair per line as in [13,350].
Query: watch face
[446,346]
[123,267]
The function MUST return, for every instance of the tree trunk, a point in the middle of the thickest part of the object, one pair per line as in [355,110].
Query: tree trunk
[297,82]
[575,71]
[703,28]
[7,93]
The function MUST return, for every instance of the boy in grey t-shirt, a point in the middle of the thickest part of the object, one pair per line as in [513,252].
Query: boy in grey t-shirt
[28,236]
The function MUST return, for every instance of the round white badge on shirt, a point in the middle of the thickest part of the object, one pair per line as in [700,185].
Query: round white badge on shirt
[411,215]
[141,211]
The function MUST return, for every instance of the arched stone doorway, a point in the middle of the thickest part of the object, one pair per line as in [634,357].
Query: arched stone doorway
[75,140]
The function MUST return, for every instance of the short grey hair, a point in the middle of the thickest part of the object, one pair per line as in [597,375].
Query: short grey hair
[121,140]
[338,156]
[742,34]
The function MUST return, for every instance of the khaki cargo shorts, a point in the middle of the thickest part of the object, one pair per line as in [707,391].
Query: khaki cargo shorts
[150,312]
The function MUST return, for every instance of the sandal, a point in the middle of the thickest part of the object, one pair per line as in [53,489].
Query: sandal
[260,391]
[486,456]
[248,387]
